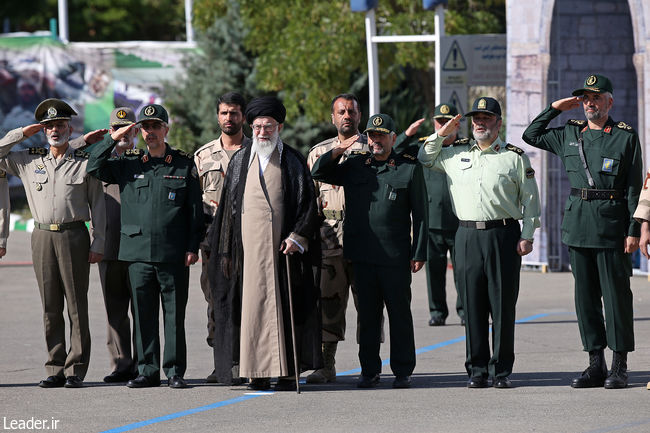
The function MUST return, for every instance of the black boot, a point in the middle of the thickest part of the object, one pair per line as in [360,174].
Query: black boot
[618,376]
[594,376]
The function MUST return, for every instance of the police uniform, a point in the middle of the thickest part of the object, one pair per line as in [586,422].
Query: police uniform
[490,190]
[211,161]
[61,197]
[161,221]
[605,169]
[4,209]
[381,197]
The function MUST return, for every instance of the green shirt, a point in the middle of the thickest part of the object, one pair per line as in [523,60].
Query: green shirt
[489,184]
[614,158]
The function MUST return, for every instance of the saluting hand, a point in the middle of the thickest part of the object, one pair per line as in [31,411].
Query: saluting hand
[30,130]
[413,128]
[631,244]
[450,127]
[567,103]
[344,145]
[645,238]
[94,136]
[118,134]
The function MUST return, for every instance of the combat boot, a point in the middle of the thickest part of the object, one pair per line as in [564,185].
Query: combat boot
[594,376]
[618,376]
[327,373]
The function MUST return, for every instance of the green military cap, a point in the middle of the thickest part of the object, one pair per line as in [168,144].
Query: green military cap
[595,83]
[53,109]
[485,104]
[122,116]
[445,111]
[153,112]
[380,123]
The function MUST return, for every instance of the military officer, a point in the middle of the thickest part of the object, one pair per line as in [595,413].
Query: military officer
[604,164]
[383,191]
[162,226]
[492,186]
[61,197]
[4,212]
[211,162]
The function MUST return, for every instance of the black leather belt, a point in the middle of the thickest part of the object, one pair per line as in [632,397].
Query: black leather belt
[598,194]
[60,227]
[483,225]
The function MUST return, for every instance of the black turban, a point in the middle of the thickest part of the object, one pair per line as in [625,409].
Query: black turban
[267,106]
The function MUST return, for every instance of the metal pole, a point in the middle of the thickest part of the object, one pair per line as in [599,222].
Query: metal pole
[63,21]
[439,29]
[373,66]
[189,30]
[293,327]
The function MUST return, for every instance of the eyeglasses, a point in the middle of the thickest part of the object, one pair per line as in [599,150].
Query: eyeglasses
[267,127]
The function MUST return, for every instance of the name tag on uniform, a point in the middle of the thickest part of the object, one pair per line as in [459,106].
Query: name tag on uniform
[39,171]
[171,196]
[608,164]
[138,176]
[573,143]
[464,160]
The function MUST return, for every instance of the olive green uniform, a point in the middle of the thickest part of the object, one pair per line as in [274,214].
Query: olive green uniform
[595,228]
[381,197]
[490,189]
[162,219]
[61,197]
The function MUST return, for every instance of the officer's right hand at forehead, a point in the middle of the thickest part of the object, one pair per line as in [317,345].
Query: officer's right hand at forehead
[567,103]
[450,127]
[119,133]
[30,130]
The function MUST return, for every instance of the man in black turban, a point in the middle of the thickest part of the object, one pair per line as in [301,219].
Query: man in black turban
[248,272]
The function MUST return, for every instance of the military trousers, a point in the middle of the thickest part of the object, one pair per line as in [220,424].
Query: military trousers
[150,284]
[390,285]
[440,241]
[603,273]
[488,279]
[62,270]
[120,337]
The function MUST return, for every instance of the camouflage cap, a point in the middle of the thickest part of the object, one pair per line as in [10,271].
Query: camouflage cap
[53,109]
[122,116]
[153,112]
[595,83]
[444,111]
[485,104]
[382,123]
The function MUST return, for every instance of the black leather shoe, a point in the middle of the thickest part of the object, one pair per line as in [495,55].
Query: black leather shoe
[119,376]
[368,381]
[52,382]
[436,321]
[176,382]
[285,385]
[73,382]
[594,376]
[143,382]
[260,384]
[402,382]
[502,382]
[477,382]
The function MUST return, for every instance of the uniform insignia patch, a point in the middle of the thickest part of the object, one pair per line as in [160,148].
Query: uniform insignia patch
[444,109]
[171,196]
[145,158]
[377,121]
[169,176]
[138,176]
[392,196]
[482,104]
[461,141]
[37,151]
[51,112]
[497,148]
[515,149]
[464,160]
[358,152]
[121,114]
[39,171]
[81,154]
[591,80]
[391,163]
[40,166]
[149,111]
[368,161]
[130,152]
[576,122]
[39,187]
[168,159]
[409,156]
[607,129]
[608,165]
[530,173]
[624,126]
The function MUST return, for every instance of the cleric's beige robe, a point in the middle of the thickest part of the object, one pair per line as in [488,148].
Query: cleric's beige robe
[262,345]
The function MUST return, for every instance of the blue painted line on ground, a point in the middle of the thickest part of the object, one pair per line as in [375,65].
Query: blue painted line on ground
[620,426]
[249,396]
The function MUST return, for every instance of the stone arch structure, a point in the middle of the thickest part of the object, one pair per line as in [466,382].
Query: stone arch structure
[538,72]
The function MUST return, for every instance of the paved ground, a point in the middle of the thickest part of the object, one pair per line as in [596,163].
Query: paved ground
[548,355]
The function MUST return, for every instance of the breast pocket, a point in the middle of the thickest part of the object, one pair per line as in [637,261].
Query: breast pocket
[212,178]
[140,190]
[571,157]
[40,179]
[609,163]
[396,191]
[174,191]
[74,185]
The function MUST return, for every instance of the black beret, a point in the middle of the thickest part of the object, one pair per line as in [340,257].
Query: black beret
[267,106]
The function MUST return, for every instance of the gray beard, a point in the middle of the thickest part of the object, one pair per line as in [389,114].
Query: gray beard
[596,115]
[63,139]
[126,144]
[264,148]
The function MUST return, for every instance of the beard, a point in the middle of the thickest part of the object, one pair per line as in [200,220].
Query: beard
[593,115]
[126,143]
[265,146]
[483,135]
[58,142]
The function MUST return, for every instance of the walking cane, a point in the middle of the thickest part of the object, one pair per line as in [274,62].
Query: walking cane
[293,326]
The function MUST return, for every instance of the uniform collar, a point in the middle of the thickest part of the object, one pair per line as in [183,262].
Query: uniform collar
[496,146]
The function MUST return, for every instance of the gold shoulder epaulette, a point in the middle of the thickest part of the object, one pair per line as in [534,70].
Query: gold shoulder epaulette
[37,151]
[133,152]
[409,156]
[515,149]
[81,154]
[624,126]
[423,139]
[359,152]
[461,141]
[576,122]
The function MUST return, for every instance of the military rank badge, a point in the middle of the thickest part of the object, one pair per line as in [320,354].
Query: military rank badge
[171,196]
[608,164]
